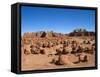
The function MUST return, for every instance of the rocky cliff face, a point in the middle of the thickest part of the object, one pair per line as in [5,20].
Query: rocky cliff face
[43,34]
[81,32]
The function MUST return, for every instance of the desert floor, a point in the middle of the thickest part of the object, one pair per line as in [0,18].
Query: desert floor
[40,61]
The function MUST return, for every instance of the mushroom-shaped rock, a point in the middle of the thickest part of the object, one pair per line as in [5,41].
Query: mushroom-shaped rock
[83,57]
[64,60]
[34,50]
[65,50]
[26,52]
[42,51]
[59,50]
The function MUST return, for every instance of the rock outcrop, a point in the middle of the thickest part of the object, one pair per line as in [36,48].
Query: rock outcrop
[81,32]
[42,34]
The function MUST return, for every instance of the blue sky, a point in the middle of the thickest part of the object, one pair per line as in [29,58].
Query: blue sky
[35,19]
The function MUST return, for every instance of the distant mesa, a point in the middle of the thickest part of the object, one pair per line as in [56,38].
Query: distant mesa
[81,32]
[42,34]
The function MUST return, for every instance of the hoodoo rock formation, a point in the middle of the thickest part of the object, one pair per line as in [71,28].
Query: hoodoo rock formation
[56,50]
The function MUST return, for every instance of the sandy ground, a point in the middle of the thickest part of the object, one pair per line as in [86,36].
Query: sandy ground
[43,61]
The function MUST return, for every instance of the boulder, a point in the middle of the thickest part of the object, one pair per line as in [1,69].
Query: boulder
[64,60]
